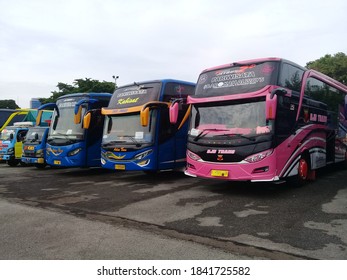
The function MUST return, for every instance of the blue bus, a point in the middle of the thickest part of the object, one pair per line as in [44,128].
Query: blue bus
[138,134]
[75,133]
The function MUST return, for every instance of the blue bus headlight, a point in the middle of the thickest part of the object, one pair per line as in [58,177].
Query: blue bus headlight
[143,154]
[74,152]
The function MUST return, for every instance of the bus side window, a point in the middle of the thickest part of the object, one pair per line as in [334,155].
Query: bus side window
[291,77]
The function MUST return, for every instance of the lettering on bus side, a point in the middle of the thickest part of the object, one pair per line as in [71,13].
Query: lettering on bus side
[318,118]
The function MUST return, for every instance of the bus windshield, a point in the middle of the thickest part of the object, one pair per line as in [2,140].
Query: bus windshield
[63,122]
[237,79]
[127,129]
[229,121]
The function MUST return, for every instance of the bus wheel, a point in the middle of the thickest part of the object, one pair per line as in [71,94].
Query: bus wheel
[13,162]
[303,169]
[303,173]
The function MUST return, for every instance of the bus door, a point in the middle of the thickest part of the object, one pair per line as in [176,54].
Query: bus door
[172,139]
[166,141]
[93,139]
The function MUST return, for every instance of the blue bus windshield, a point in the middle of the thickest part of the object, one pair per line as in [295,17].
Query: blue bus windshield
[128,129]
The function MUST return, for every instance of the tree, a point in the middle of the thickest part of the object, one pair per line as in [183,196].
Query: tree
[333,66]
[79,85]
[8,104]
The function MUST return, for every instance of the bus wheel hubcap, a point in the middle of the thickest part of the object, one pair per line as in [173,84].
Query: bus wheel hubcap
[303,169]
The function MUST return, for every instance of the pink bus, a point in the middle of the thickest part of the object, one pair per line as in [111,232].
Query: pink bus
[265,120]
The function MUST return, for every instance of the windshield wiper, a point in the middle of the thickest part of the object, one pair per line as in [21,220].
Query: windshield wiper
[134,140]
[205,132]
[251,138]
[61,134]
[113,142]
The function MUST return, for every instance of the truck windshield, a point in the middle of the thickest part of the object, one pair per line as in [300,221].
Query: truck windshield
[5,135]
[32,132]
[127,129]
[237,79]
[229,121]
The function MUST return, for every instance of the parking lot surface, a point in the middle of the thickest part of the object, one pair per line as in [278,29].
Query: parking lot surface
[169,216]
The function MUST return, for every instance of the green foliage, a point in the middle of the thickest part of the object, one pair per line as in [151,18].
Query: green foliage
[78,86]
[333,66]
[8,104]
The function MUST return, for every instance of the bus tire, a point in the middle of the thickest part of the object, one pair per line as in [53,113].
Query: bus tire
[304,171]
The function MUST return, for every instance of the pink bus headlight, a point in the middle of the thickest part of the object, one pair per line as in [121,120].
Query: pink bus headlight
[259,156]
[193,156]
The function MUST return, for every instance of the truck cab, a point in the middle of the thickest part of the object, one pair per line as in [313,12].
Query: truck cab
[11,142]
[34,146]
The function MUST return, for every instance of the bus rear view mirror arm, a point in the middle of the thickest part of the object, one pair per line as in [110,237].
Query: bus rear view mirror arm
[278,92]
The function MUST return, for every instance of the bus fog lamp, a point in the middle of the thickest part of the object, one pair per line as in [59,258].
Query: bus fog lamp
[143,163]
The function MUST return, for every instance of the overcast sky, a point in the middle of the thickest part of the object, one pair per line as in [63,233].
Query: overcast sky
[43,42]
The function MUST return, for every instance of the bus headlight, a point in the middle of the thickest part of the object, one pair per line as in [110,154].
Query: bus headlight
[143,154]
[259,156]
[74,152]
[10,151]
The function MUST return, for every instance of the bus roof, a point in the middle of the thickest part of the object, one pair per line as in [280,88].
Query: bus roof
[251,61]
[158,81]
[87,94]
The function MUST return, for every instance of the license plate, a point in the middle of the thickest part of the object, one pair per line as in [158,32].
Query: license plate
[220,173]
[119,167]
[57,162]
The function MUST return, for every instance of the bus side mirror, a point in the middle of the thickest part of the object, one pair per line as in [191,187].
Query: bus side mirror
[11,136]
[173,112]
[144,116]
[36,137]
[271,107]
[78,115]
[86,120]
